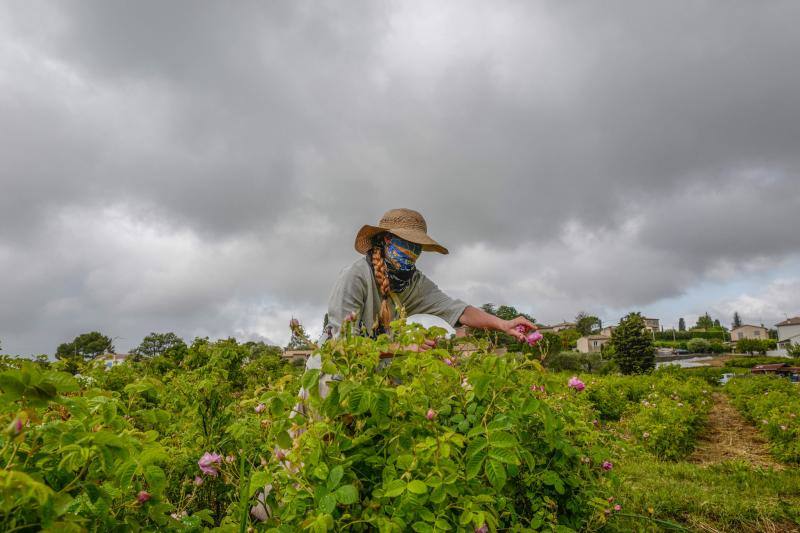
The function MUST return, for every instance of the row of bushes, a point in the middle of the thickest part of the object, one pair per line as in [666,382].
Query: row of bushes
[433,441]
[694,345]
[772,403]
[691,334]
[589,363]
[663,412]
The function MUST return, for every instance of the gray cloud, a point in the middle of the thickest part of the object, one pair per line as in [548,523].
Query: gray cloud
[203,167]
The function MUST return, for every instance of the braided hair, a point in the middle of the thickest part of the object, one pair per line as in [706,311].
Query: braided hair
[382,280]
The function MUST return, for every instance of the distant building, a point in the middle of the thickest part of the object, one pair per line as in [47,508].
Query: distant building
[788,332]
[113,359]
[557,327]
[592,343]
[748,331]
[781,369]
[295,356]
[652,325]
[608,330]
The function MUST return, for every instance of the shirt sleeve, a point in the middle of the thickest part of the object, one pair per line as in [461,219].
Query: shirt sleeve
[433,301]
[349,294]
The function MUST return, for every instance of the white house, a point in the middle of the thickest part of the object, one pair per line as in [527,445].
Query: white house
[113,359]
[748,331]
[788,332]
[592,343]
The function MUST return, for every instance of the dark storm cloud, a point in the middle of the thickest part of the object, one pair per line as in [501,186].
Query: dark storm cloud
[190,165]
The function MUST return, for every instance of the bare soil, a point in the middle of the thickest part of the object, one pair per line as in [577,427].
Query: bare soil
[729,436]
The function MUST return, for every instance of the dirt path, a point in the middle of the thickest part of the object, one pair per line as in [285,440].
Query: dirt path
[729,436]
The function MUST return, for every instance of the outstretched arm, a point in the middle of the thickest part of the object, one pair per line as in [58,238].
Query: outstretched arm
[478,318]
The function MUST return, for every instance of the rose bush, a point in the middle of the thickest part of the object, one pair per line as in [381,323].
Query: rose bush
[427,446]
[772,403]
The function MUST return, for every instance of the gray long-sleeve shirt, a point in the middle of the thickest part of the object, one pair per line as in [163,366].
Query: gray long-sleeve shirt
[356,290]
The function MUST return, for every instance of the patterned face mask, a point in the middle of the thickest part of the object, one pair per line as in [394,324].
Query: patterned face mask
[400,254]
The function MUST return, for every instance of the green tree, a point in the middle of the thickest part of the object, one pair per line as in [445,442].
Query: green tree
[737,320]
[85,346]
[569,338]
[161,345]
[698,346]
[750,346]
[586,324]
[632,346]
[704,322]
[681,324]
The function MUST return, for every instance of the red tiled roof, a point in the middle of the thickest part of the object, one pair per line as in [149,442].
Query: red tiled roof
[794,321]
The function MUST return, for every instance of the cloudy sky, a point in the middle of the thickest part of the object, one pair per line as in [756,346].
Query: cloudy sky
[202,167]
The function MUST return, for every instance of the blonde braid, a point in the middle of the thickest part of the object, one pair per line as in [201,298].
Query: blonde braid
[382,279]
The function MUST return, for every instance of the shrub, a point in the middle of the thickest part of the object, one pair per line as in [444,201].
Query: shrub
[670,417]
[772,403]
[467,443]
[698,346]
[590,363]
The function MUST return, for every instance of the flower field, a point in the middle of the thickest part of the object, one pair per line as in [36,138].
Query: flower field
[431,442]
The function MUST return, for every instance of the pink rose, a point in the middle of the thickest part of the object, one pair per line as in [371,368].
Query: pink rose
[607,465]
[533,337]
[575,383]
[431,414]
[260,408]
[143,496]
[198,480]
[618,507]
[209,462]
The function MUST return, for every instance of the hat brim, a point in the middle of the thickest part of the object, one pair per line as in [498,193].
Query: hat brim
[367,232]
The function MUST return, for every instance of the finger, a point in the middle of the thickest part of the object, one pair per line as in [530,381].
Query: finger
[430,342]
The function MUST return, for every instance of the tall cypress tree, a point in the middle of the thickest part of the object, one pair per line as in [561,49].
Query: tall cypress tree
[681,324]
[633,346]
[737,320]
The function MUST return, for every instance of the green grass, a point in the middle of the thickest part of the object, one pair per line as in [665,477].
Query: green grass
[730,496]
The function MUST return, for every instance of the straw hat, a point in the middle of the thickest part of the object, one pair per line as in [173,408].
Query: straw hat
[404,223]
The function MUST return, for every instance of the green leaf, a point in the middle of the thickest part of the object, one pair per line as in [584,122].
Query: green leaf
[321,471]
[480,384]
[475,445]
[347,494]
[284,440]
[474,464]
[335,476]
[421,527]
[504,455]
[496,473]
[417,487]
[310,379]
[126,473]
[394,488]
[257,481]
[501,439]
[155,477]
[551,478]
[438,494]
[327,504]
